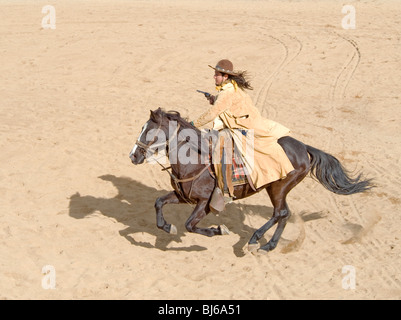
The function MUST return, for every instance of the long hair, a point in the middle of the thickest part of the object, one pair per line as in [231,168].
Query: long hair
[242,80]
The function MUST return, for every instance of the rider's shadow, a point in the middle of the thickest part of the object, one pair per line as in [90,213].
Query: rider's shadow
[134,207]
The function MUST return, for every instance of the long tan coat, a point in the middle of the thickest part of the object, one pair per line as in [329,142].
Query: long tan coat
[234,109]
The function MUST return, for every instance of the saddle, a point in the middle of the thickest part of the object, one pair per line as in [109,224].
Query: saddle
[230,171]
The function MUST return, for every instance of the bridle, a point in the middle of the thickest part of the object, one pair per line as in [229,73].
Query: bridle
[145,147]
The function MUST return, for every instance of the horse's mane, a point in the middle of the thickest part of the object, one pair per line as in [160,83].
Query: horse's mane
[176,116]
[183,123]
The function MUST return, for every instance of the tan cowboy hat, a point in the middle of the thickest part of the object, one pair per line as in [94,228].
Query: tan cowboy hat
[225,66]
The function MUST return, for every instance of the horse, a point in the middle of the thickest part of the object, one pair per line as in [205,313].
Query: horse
[194,182]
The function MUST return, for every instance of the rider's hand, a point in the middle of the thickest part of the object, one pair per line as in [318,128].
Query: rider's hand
[211,99]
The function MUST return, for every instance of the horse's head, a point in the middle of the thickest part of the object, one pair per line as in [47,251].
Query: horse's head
[150,139]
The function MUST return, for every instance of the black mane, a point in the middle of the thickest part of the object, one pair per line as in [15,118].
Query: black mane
[176,116]
[160,114]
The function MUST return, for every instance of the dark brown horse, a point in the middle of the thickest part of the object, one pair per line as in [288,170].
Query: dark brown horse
[193,183]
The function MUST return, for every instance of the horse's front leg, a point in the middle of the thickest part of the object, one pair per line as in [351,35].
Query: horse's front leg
[160,202]
[197,215]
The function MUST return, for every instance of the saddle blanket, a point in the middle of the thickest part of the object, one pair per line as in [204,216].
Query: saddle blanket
[239,172]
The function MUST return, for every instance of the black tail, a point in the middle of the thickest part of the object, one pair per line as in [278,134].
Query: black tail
[333,176]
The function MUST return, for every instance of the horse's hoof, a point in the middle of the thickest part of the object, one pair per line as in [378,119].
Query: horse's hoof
[224,230]
[253,247]
[173,229]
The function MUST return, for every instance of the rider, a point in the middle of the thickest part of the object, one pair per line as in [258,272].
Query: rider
[232,109]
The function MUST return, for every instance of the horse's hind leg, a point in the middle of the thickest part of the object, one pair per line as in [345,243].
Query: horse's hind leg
[160,202]
[277,191]
[197,215]
[283,215]
[253,242]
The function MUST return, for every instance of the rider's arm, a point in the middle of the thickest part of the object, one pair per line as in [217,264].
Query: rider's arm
[222,103]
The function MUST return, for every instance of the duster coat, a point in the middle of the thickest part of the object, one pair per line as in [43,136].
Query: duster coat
[233,109]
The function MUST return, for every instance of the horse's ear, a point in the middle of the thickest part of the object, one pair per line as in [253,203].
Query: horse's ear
[155,115]
[152,115]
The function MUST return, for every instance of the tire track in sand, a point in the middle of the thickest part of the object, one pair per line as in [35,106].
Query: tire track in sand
[344,212]
[288,57]
[343,78]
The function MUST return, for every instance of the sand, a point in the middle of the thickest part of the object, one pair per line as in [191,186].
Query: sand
[74,99]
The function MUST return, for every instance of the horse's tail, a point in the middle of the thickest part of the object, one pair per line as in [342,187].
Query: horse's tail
[333,176]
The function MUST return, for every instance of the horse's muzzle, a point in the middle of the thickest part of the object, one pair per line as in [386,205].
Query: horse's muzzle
[136,160]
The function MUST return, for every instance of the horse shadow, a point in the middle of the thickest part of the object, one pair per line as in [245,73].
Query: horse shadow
[133,206]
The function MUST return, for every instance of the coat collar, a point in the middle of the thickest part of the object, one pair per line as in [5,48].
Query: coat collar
[226,86]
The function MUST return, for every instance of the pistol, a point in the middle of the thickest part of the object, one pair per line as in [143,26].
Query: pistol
[207,94]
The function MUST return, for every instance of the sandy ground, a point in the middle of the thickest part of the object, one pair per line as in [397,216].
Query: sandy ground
[74,99]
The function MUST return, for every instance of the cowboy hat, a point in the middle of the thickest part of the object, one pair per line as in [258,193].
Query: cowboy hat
[225,66]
